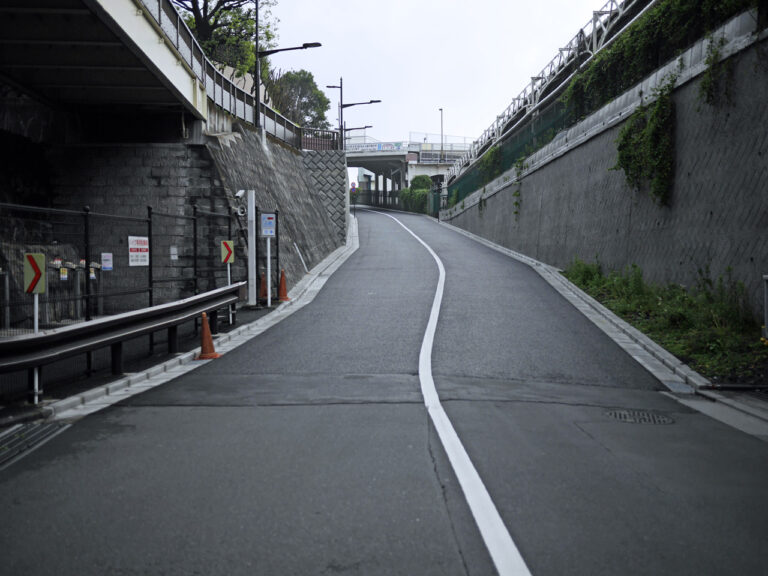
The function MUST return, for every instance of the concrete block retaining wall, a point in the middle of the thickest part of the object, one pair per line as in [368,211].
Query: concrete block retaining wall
[283,181]
[573,205]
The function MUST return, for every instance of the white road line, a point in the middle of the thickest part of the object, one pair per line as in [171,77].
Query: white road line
[500,545]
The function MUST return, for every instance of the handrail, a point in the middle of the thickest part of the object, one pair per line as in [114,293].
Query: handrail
[222,91]
[588,40]
[36,350]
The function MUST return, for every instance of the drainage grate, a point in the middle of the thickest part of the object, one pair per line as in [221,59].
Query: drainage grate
[23,438]
[639,417]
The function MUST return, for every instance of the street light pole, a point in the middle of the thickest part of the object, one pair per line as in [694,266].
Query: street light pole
[341,109]
[441,137]
[257,80]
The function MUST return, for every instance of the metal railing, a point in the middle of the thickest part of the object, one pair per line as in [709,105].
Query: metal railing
[33,351]
[588,41]
[223,92]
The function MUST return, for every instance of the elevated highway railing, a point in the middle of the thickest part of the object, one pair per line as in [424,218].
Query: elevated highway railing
[224,93]
[591,38]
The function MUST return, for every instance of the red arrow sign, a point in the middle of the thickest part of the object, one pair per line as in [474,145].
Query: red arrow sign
[38,274]
[227,254]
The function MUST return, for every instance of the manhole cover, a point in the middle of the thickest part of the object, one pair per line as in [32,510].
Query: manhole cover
[639,417]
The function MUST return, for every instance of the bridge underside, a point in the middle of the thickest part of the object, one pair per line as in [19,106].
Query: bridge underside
[66,61]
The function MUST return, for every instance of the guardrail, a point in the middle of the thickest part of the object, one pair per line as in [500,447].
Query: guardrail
[37,350]
[218,87]
[592,37]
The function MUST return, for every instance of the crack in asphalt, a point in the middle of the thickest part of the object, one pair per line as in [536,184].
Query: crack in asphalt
[444,495]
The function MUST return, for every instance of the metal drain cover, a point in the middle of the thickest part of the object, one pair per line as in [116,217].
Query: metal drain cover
[639,417]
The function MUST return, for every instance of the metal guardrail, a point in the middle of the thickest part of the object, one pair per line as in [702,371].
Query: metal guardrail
[36,350]
[588,40]
[223,92]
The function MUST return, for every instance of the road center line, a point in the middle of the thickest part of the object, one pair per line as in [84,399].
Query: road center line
[500,545]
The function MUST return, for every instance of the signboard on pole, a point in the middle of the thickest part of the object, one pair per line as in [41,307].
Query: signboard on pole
[227,252]
[138,251]
[34,273]
[107,262]
[268,225]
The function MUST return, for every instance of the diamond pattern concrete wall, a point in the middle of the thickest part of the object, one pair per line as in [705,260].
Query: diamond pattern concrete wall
[577,207]
[328,171]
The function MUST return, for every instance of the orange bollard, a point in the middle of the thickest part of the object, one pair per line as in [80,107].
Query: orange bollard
[282,293]
[207,351]
[263,287]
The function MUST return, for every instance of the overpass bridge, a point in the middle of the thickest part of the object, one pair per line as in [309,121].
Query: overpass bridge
[396,164]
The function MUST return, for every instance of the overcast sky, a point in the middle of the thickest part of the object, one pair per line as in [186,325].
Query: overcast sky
[469,57]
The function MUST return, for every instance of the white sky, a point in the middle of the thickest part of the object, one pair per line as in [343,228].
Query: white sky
[469,57]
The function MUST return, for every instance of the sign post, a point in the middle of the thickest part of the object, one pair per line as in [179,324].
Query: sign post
[268,231]
[34,283]
[227,257]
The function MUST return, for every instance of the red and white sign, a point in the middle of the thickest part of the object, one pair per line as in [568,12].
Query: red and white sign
[138,251]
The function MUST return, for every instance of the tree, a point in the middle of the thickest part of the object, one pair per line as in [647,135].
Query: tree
[296,96]
[421,182]
[226,30]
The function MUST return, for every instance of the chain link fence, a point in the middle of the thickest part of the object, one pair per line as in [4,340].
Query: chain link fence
[103,264]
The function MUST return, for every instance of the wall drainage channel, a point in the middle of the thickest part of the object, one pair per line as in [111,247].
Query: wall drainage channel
[23,438]
[639,417]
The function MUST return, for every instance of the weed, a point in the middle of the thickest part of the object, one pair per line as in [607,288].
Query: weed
[709,326]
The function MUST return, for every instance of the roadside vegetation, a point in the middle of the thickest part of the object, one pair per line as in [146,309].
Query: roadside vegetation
[416,198]
[708,326]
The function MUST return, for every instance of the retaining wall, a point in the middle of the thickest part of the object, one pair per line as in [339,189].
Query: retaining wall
[574,205]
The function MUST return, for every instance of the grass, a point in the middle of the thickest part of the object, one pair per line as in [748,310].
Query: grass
[709,327]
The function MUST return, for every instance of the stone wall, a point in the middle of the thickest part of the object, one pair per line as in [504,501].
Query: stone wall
[282,182]
[573,205]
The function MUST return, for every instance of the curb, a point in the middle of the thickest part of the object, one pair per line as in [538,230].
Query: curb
[668,369]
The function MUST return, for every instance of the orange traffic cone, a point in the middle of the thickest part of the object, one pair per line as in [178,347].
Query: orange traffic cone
[263,288]
[207,352]
[282,293]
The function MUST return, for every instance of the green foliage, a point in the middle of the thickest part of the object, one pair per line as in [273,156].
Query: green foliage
[226,30]
[414,200]
[709,326]
[421,182]
[715,82]
[656,37]
[646,145]
[453,198]
[490,164]
[520,167]
[296,95]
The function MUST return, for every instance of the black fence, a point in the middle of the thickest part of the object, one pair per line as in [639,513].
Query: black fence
[101,264]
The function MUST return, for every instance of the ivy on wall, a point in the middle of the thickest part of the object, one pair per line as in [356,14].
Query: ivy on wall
[646,145]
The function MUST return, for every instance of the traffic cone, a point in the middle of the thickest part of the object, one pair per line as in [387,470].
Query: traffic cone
[263,288]
[207,351]
[282,293]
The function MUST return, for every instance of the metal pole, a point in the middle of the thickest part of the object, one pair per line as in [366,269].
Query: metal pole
[277,246]
[7,302]
[765,306]
[441,137]
[252,246]
[87,211]
[257,79]
[341,114]
[150,278]
[194,244]
[269,276]
[36,374]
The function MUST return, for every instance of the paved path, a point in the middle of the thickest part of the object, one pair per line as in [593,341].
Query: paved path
[309,449]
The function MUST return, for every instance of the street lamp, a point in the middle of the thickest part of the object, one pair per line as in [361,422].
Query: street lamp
[263,53]
[440,159]
[342,106]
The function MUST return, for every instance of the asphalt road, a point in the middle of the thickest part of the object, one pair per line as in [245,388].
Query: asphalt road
[308,450]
